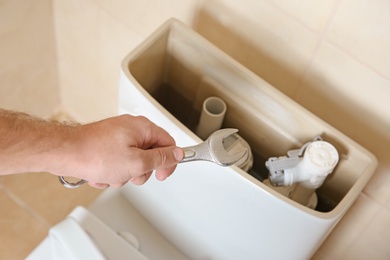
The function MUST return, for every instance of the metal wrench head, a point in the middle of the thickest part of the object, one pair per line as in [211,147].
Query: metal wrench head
[218,151]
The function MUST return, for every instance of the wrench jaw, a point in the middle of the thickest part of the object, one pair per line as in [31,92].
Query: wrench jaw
[213,150]
[233,158]
[217,150]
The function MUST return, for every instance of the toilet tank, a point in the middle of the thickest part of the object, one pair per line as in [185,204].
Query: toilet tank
[213,212]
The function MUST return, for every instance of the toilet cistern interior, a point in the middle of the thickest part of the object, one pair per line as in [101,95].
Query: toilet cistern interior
[222,211]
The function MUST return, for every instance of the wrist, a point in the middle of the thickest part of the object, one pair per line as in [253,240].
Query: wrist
[58,150]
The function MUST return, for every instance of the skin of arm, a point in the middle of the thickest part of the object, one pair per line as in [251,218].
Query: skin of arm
[109,152]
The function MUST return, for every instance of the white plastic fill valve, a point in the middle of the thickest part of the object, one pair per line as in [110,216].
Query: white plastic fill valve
[318,162]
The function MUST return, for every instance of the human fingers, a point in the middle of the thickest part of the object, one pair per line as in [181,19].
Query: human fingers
[118,185]
[162,174]
[156,136]
[160,158]
[141,179]
[106,185]
[101,186]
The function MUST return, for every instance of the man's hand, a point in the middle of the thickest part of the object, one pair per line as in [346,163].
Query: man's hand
[110,152]
[116,150]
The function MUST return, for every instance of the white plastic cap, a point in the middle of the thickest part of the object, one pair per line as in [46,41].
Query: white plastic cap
[319,160]
[235,143]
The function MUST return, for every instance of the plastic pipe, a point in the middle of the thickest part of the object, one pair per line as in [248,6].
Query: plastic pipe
[211,117]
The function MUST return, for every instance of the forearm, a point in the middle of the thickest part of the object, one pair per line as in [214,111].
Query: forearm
[110,152]
[29,144]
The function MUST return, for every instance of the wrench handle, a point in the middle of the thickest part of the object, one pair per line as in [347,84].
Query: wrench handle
[189,154]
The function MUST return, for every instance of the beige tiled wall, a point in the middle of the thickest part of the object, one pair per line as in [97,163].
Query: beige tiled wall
[28,71]
[331,56]
[92,39]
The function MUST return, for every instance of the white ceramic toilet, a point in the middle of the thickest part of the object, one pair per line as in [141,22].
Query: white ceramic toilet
[204,211]
[211,212]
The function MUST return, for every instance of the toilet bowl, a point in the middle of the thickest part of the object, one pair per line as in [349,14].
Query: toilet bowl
[212,212]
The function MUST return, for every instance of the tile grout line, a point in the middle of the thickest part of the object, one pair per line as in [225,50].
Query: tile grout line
[380,210]
[113,16]
[344,252]
[24,206]
[291,16]
[321,39]
[358,60]
[378,171]
[385,204]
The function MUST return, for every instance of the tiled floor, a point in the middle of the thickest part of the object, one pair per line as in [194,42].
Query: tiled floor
[30,204]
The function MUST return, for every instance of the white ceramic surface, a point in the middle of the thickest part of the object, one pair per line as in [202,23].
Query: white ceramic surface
[225,213]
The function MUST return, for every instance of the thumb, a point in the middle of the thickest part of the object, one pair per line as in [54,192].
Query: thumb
[163,157]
